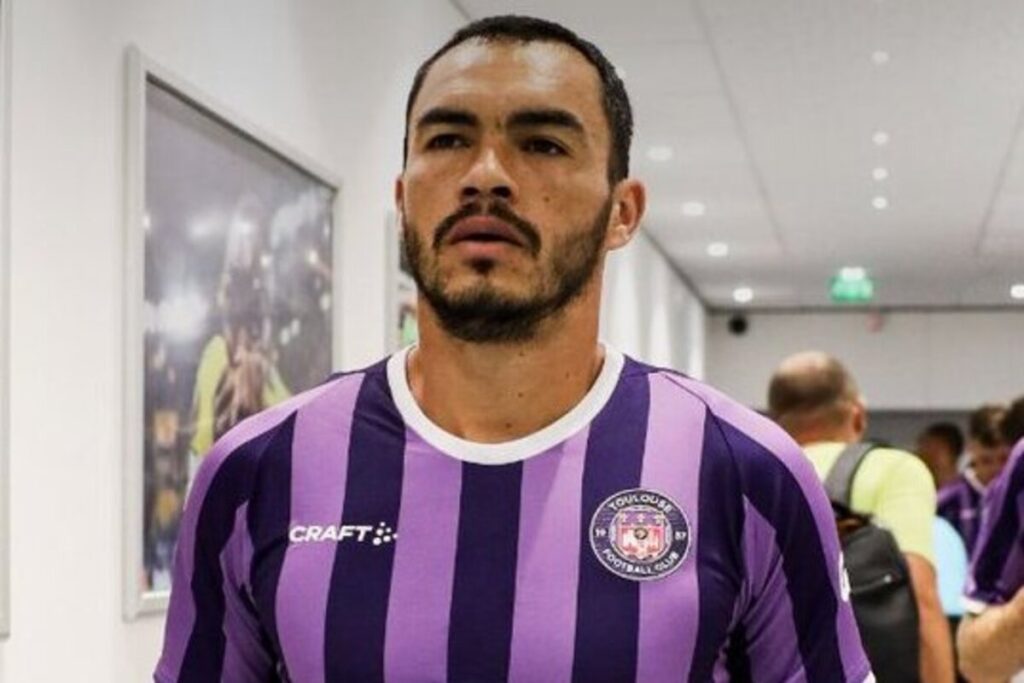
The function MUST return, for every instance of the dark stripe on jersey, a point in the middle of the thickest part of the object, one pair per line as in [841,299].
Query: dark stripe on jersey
[483,590]
[357,605]
[268,519]
[776,494]
[719,549]
[204,654]
[990,558]
[608,607]
[737,663]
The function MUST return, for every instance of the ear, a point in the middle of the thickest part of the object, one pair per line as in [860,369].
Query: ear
[629,201]
[399,197]
[859,419]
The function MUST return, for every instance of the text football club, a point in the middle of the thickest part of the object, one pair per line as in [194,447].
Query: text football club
[640,534]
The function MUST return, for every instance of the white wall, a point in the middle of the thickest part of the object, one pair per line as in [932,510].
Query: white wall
[940,360]
[649,312]
[328,78]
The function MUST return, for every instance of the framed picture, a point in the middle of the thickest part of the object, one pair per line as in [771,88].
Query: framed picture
[5,277]
[401,300]
[231,246]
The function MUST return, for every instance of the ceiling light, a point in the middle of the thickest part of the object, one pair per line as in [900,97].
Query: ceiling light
[880,203]
[743,295]
[880,138]
[659,153]
[694,209]
[851,285]
[880,173]
[880,57]
[718,249]
[1017,291]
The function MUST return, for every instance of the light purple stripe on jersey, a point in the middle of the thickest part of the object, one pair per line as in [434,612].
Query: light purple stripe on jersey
[244,658]
[416,641]
[771,614]
[547,568]
[319,472]
[670,607]
[776,441]
[181,612]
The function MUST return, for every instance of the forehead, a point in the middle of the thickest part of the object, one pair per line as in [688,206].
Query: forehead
[505,75]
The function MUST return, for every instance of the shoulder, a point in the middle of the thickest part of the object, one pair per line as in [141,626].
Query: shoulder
[894,462]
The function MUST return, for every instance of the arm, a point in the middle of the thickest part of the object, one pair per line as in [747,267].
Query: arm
[936,644]
[991,644]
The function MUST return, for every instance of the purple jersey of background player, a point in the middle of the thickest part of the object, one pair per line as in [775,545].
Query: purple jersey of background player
[959,503]
[343,537]
[997,568]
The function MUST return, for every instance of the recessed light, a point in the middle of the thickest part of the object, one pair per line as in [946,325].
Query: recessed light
[880,173]
[694,209]
[880,57]
[1017,291]
[659,153]
[880,138]
[743,295]
[718,249]
[880,203]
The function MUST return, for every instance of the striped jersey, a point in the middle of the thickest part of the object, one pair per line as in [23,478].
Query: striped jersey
[959,503]
[997,567]
[656,532]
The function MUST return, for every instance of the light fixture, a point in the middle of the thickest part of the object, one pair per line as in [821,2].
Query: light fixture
[851,285]
[880,202]
[694,209]
[880,173]
[718,249]
[659,153]
[743,295]
[1017,291]
[880,57]
[880,138]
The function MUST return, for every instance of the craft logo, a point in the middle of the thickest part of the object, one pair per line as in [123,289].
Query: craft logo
[342,533]
[640,534]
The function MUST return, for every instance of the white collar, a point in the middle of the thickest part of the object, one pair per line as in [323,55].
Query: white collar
[509,451]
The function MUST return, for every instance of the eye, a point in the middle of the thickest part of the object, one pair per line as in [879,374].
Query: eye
[446,141]
[544,146]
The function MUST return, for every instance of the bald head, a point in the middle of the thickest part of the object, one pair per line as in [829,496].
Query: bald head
[814,398]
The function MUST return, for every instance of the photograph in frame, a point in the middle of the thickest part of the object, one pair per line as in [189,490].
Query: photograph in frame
[237,301]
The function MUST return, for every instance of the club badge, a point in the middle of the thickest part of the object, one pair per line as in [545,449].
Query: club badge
[640,535]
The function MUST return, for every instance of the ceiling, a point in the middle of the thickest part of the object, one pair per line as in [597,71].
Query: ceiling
[770,109]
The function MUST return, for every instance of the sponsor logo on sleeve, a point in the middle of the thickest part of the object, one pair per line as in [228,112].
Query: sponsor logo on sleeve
[380,535]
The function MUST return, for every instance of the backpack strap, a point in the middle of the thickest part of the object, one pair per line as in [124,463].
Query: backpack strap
[839,482]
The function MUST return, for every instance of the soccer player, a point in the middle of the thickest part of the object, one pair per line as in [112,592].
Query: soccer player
[991,636]
[816,399]
[939,446]
[510,500]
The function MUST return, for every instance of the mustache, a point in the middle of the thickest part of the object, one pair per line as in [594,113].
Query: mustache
[526,229]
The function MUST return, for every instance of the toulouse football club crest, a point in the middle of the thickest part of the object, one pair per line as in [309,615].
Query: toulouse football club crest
[640,534]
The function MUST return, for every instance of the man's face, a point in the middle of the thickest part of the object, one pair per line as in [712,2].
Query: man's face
[937,455]
[987,461]
[505,200]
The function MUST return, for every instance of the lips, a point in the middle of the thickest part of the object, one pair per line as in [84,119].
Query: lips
[484,229]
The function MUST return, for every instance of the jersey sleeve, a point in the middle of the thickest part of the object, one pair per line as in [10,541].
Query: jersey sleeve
[906,505]
[212,631]
[997,567]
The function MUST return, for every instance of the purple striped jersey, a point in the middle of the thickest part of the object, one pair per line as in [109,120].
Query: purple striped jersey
[960,504]
[997,565]
[656,532]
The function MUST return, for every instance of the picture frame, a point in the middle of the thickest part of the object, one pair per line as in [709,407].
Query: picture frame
[231,293]
[5,336]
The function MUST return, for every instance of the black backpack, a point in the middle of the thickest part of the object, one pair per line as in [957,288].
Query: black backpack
[880,588]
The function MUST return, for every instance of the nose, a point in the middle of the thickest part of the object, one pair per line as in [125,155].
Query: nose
[488,178]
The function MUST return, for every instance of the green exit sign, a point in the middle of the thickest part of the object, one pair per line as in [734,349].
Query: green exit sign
[852,285]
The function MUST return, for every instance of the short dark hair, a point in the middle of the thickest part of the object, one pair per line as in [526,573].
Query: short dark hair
[1012,426]
[513,28]
[947,432]
[984,425]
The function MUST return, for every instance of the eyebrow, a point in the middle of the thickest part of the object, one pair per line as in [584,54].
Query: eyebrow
[545,117]
[444,115]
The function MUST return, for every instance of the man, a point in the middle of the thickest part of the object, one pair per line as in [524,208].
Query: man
[815,399]
[510,500]
[991,637]
[939,446]
[960,501]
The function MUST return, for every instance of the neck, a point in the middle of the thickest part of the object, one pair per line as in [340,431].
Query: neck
[845,434]
[491,393]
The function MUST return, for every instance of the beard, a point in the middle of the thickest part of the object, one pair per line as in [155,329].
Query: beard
[484,314]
